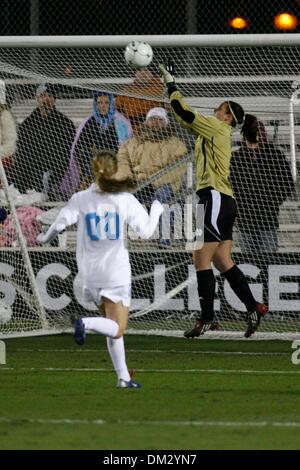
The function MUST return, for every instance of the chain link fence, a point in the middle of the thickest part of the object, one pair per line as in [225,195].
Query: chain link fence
[119,17]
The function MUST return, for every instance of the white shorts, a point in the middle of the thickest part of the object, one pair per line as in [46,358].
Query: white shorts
[115,294]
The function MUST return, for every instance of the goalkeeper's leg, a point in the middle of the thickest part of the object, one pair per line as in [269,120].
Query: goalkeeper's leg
[219,216]
[206,289]
[240,286]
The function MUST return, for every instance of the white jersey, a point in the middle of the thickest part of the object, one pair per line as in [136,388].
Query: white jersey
[102,257]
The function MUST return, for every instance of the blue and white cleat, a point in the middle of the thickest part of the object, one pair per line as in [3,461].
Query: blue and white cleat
[79,333]
[128,384]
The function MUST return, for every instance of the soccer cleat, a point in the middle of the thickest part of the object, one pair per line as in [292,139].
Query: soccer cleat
[200,328]
[215,325]
[79,333]
[128,384]
[254,317]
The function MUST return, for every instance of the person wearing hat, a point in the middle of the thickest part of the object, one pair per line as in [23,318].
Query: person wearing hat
[44,143]
[152,149]
[104,128]
[157,113]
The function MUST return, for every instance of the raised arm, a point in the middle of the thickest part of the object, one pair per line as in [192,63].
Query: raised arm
[67,216]
[179,106]
[138,218]
[195,122]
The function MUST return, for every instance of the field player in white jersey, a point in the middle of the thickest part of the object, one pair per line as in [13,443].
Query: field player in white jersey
[102,212]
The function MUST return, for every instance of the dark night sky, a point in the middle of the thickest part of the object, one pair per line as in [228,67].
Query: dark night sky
[58,17]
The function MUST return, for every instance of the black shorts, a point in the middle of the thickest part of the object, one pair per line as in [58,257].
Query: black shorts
[219,214]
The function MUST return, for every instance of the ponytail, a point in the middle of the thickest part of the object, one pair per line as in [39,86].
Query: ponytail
[237,112]
[249,129]
[105,166]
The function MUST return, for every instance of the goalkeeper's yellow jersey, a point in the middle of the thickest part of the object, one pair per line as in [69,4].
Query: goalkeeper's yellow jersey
[212,149]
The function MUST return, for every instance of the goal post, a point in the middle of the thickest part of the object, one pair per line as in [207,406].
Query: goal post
[30,295]
[258,71]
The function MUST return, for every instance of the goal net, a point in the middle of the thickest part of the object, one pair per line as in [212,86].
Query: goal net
[38,286]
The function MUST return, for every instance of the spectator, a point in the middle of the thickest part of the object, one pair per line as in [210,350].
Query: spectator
[8,133]
[106,129]
[44,142]
[130,102]
[152,149]
[262,181]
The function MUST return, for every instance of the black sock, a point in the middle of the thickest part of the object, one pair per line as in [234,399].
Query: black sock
[240,286]
[206,290]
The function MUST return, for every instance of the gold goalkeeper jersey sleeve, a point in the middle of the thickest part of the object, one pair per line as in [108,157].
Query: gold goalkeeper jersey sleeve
[212,148]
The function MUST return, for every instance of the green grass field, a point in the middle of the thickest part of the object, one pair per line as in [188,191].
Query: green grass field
[198,394]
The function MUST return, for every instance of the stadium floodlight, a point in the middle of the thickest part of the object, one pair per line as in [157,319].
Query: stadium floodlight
[239,22]
[286,21]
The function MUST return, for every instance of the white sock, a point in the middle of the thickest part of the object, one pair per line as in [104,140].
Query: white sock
[105,326]
[116,351]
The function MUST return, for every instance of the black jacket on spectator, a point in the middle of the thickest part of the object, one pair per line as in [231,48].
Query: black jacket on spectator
[43,147]
[262,181]
[94,136]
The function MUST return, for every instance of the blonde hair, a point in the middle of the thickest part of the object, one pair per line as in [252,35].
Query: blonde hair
[105,166]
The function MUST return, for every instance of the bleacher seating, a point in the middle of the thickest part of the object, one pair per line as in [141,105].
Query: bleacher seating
[289,230]
[75,109]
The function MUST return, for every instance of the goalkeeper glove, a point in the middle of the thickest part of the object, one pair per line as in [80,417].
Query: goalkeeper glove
[166,72]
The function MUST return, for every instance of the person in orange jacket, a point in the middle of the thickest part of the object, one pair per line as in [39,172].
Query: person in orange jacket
[131,100]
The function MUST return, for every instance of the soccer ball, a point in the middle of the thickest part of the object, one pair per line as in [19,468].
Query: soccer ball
[138,54]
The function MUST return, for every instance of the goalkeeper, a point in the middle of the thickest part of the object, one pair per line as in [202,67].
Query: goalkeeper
[213,154]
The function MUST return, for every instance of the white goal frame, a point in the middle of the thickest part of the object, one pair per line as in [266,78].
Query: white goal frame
[184,41]
[179,40]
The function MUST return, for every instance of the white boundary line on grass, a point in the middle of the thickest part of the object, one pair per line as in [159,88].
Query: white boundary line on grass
[178,371]
[219,335]
[97,422]
[159,351]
